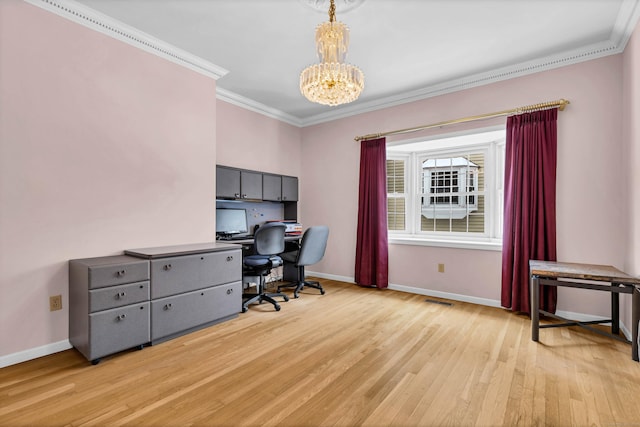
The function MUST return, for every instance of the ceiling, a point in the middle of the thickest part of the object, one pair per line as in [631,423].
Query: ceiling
[408,49]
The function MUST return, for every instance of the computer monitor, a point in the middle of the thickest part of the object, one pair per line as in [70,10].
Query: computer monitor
[231,221]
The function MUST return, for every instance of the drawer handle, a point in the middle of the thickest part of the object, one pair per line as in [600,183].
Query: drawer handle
[121,295]
[229,291]
[167,267]
[121,273]
[230,258]
[168,306]
[121,317]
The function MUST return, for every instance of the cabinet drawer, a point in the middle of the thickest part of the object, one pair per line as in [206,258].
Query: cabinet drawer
[171,276]
[227,299]
[118,296]
[118,329]
[116,274]
[179,313]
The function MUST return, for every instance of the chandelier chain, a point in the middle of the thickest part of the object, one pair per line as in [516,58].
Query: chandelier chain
[332,11]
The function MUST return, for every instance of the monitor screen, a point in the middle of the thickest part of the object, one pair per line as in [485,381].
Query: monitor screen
[231,221]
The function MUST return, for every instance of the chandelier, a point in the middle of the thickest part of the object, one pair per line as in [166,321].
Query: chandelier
[332,81]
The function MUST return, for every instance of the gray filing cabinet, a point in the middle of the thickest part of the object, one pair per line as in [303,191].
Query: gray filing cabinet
[192,286]
[109,307]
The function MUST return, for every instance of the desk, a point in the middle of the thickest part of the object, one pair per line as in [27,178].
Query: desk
[553,273]
[250,241]
[289,273]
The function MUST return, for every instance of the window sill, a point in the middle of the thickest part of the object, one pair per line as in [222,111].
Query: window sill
[484,245]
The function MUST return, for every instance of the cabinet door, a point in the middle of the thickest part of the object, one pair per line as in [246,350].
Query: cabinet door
[118,329]
[250,185]
[174,315]
[174,275]
[227,183]
[289,189]
[118,296]
[272,187]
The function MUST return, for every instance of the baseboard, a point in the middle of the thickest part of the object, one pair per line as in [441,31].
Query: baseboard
[581,317]
[446,295]
[329,276]
[34,353]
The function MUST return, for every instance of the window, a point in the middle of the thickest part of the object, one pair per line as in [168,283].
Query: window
[395,194]
[447,191]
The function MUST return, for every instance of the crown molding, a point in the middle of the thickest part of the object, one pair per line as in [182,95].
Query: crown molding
[249,104]
[594,51]
[505,73]
[104,24]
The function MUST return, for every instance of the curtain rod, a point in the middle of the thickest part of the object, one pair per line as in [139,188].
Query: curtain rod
[561,103]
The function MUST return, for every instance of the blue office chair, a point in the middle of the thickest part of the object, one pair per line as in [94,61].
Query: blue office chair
[268,243]
[312,248]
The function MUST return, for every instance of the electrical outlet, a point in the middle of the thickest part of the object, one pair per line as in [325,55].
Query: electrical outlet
[440,268]
[55,303]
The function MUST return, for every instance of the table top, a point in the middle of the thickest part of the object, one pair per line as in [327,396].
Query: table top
[179,250]
[603,273]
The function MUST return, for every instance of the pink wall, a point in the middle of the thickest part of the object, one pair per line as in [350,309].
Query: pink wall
[250,140]
[631,138]
[100,150]
[590,195]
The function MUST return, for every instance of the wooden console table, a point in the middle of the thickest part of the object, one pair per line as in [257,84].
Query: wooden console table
[553,273]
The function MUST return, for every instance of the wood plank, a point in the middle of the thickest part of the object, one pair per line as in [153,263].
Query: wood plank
[603,273]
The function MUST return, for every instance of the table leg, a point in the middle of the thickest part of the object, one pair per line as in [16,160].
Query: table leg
[535,302]
[635,318]
[615,312]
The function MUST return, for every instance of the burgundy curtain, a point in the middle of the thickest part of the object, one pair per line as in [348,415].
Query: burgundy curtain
[372,253]
[529,206]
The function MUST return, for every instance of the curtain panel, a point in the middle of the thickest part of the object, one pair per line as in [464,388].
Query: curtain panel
[372,252]
[529,231]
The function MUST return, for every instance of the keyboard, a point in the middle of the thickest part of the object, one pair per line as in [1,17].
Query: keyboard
[238,238]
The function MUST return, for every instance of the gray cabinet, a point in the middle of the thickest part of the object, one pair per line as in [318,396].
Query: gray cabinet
[238,184]
[289,189]
[192,286]
[232,183]
[272,187]
[108,305]
[279,188]
[151,295]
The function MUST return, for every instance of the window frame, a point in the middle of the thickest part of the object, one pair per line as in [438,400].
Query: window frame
[493,150]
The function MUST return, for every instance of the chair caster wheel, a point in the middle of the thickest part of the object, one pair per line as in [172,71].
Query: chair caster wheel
[277,308]
[95,361]
[322,292]
[296,296]
[244,309]
[286,298]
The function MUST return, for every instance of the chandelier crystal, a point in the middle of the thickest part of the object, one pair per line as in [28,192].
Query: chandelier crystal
[332,82]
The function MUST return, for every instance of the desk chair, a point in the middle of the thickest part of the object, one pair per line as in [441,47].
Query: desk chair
[268,243]
[314,243]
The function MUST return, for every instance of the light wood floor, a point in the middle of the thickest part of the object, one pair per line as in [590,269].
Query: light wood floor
[351,357]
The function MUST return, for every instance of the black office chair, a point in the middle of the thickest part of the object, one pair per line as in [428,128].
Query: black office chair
[312,248]
[269,242]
